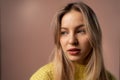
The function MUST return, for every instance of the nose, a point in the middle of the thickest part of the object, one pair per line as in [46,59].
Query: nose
[73,39]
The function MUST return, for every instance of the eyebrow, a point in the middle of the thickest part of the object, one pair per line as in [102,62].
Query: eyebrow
[79,26]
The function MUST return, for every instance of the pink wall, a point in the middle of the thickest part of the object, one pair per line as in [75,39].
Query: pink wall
[26,35]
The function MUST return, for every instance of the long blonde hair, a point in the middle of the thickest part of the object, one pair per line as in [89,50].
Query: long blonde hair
[63,67]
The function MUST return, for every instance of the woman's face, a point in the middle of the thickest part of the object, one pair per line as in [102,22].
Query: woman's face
[74,38]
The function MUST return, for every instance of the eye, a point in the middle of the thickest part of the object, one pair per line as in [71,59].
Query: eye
[81,31]
[64,33]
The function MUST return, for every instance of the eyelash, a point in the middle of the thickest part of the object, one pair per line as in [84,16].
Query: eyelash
[81,31]
[65,32]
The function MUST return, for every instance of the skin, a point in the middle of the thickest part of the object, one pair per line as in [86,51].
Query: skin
[74,35]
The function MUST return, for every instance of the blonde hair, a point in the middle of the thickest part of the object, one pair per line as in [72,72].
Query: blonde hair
[63,67]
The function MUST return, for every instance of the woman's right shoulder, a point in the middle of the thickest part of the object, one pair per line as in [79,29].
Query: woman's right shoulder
[44,73]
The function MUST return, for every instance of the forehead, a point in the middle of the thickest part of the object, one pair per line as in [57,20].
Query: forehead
[72,18]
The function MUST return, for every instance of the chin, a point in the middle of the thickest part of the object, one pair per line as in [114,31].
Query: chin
[75,59]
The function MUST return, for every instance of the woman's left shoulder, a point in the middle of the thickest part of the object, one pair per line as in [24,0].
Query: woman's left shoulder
[111,76]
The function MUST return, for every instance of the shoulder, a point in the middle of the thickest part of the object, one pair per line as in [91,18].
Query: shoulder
[44,73]
[110,76]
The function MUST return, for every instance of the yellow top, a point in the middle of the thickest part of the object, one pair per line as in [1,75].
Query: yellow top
[46,73]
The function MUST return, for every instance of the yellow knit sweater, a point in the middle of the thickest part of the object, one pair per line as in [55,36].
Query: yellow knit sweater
[46,73]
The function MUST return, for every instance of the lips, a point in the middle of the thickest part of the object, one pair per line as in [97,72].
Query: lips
[73,51]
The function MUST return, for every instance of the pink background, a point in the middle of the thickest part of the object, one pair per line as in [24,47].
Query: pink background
[27,38]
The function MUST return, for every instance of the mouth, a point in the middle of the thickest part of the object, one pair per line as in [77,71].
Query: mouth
[73,51]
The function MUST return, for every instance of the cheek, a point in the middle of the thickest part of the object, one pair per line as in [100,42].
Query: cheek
[62,42]
[85,44]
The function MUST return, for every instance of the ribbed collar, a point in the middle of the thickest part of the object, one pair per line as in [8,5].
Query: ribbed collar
[79,71]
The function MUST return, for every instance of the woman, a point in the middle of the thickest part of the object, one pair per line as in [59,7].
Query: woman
[78,47]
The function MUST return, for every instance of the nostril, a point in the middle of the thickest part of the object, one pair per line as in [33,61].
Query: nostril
[73,41]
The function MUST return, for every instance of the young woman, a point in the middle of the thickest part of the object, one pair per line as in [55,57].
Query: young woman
[78,47]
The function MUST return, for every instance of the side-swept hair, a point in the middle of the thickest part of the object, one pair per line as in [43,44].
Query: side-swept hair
[63,67]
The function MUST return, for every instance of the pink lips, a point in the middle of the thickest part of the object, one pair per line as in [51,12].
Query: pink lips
[73,51]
